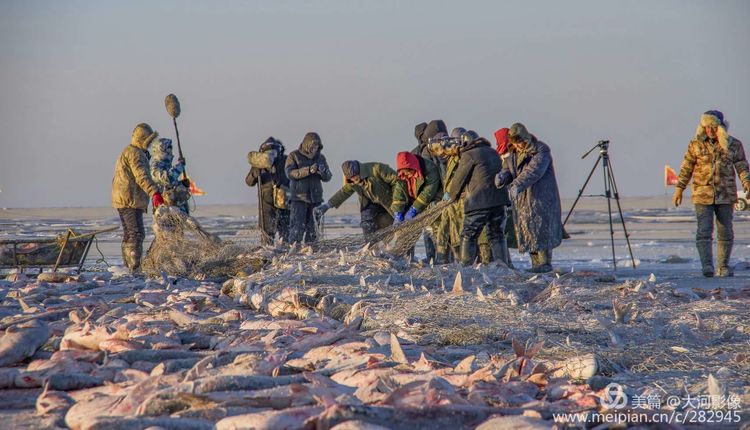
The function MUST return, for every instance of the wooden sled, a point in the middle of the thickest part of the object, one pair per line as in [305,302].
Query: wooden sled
[67,250]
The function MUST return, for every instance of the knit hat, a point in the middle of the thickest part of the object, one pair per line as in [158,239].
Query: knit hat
[350,169]
[518,132]
[714,118]
[457,132]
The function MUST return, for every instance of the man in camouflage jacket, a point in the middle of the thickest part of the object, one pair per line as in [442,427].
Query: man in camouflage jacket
[379,191]
[711,161]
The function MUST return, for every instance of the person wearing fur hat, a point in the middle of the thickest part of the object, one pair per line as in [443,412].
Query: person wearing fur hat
[307,169]
[271,180]
[711,160]
[132,186]
[379,189]
[529,176]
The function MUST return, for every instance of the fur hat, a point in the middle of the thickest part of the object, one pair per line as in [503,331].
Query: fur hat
[714,118]
[143,135]
[518,132]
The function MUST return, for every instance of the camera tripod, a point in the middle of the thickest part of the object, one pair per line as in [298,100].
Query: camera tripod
[610,192]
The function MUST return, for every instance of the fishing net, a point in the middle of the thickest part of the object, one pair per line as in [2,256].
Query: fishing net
[396,240]
[182,247]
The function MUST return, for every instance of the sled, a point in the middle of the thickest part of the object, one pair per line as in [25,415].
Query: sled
[67,250]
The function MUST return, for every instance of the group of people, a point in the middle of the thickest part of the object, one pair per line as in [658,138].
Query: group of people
[482,183]
[486,187]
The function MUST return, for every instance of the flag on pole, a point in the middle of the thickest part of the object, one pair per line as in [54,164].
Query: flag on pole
[194,190]
[670,177]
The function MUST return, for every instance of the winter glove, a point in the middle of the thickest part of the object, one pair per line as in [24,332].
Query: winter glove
[322,209]
[503,178]
[322,168]
[398,218]
[677,198]
[157,200]
[313,169]
[446,197]
[411,213]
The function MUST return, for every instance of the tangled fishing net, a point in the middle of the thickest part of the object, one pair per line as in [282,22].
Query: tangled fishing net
[182,247]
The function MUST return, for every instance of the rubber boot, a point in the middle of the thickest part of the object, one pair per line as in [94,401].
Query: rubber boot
[442,256]
[456,253]
[723,252]
[486,255]
[468,251]
[429,247]
[501,253]
[127,261]
[706,256]
[134,251]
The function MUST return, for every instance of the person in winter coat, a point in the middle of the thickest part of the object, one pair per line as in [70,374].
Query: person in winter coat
[425,133]
[307,169]
[174,189]
[711,160]
[532,187]
[376,184]
[421,184]
[132,186]
[483,202]
[272,219]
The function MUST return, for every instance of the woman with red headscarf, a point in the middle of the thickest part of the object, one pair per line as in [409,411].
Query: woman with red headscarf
[421,179]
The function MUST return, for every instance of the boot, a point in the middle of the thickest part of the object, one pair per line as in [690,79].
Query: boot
[706,256]
[486,256]
[468,251]
[126,260]
[442,256]
[137,254]
[501,253]
[541,261]
[723,252]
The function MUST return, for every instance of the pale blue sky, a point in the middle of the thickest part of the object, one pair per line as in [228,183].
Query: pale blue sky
[76,76]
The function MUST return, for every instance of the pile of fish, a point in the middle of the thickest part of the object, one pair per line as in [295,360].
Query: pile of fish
[305,344]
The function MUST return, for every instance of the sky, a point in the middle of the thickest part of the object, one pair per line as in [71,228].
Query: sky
[77,76]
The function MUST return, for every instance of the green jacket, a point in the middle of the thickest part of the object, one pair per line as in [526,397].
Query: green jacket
[132,184]
[429,188]
[381,185]
[712,170]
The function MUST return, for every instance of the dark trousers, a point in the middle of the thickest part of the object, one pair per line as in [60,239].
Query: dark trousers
[274,221]
[301,222]
[133,231]
[475,221]
[374,217]
[705,215]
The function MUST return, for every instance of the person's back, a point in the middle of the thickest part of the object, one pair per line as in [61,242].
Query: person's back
[481,192]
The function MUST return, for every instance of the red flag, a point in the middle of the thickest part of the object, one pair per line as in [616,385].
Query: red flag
[670,177]
[194,190]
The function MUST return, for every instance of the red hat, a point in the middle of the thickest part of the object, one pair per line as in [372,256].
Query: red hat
[501,137]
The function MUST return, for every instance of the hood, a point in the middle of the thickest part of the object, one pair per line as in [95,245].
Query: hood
[161,151]
[419,130]
[142,136]
[480,141]
[272,144]
[311,145]
[407,160]
[501,139]
[434,127]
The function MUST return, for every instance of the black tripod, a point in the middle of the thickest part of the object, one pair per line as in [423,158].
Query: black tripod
[610,192]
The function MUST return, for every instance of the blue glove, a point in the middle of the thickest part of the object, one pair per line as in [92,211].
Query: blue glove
[398,218]
[411,214]
[446,197]
[503,178]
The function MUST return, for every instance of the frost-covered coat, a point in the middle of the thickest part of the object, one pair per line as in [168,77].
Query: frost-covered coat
[167,176]
[537,209]
[132,184]
[712,169]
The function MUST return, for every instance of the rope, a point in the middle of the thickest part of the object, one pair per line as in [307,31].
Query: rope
[102,259]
